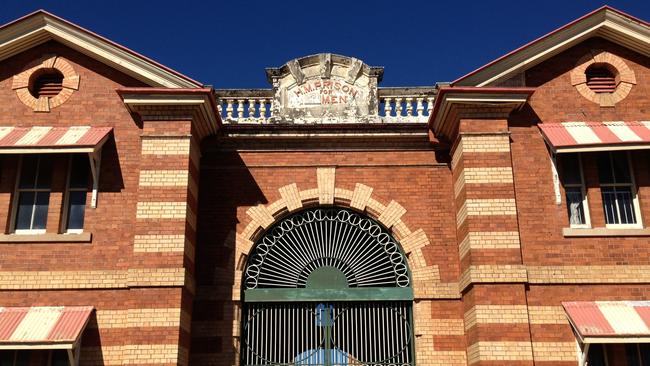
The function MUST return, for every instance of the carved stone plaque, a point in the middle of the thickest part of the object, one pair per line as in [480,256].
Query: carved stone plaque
[325,88]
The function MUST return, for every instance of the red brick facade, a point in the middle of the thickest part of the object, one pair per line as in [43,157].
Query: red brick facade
[180,205]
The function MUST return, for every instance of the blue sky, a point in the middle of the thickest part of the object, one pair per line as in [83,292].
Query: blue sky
[229,43]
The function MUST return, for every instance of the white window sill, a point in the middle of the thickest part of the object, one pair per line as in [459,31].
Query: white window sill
[604,231]
[46,238]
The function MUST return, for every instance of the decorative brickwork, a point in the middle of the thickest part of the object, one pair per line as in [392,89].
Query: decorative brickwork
[547,315]
[496,314]
[70,83]
[156,145]
[625,76]
[499,351]
[589,274]
[555,351]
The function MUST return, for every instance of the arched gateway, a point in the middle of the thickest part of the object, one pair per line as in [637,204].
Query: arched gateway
[327,286]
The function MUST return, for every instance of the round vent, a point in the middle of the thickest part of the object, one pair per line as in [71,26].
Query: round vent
[600,79]
[47,83]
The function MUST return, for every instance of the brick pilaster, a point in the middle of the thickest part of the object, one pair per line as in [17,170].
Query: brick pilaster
[165,228]
[492,273]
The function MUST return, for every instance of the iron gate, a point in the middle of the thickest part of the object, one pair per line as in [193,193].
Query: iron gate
[327,287]
[336,334]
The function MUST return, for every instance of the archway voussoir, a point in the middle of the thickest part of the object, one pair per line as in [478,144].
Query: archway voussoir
[400,230]
[309,197]
[416,240]
[360,196]
[326,178]
[261,215]
[391,214]
[374,208]
[291,197]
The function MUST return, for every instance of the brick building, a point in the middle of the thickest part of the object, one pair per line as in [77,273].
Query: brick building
[499,219]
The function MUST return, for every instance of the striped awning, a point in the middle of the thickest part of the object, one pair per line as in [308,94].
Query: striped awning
[596,136]
[42,326]
[610,321]
[82,139]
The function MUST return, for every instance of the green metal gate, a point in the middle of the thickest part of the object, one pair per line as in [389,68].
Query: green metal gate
[327,287]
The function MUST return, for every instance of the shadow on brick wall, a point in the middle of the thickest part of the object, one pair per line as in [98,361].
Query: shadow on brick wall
[226,185]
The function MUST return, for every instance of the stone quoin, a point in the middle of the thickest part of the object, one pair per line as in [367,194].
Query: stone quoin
[498,219]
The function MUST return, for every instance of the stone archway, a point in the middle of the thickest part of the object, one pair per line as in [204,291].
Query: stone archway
[360,199]
[426,281]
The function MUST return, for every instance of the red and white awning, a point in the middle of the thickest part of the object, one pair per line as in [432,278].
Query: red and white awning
[610,321]
[596,136]
[75,139]
[42,326]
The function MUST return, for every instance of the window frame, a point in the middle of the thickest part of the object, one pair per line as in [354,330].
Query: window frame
[16,199]
[633,190]
[66,201]
[583,189]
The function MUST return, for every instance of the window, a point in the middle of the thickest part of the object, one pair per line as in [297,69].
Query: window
[59,357]
[14,358]
[620,203]
[597,355]
[574,188]
[638,354]
[56,357]
[77,188]
[33,194]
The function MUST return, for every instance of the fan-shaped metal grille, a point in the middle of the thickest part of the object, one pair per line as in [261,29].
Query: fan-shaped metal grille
[355,245]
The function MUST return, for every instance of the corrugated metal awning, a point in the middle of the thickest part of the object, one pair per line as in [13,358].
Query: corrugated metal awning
[41,327]
[610,321]
[596,136]
[75,139]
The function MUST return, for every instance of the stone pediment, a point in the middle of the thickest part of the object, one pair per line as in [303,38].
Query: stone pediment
[325,88]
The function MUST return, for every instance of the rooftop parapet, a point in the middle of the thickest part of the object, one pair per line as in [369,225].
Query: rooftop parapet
[325,89]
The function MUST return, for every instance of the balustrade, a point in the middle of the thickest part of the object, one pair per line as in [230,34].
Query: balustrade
[395,105]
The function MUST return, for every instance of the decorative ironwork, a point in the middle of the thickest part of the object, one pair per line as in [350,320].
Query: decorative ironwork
[296,251]
[327,287]
[328,334]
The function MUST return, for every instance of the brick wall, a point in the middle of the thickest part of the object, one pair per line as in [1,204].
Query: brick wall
[136,279]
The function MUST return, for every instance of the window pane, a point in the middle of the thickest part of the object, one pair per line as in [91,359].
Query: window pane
[632,353]
[40,210]
[22,358]
[44,172]
[621,167]
[645,354]
[7,358]
[80,170]
[76,208]
[618,204]
[605,168]
[59,358]
[28,171]
[625,205]
[570,168]
[596,355]
[609,205]
[574,205]
[24,210]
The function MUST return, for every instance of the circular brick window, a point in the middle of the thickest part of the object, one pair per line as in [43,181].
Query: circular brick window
[46,83]
[603,78]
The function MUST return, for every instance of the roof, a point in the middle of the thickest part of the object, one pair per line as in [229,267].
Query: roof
[605,22]
[41,26]
[42,325]
[596,136]
[52,139]
[610,321]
